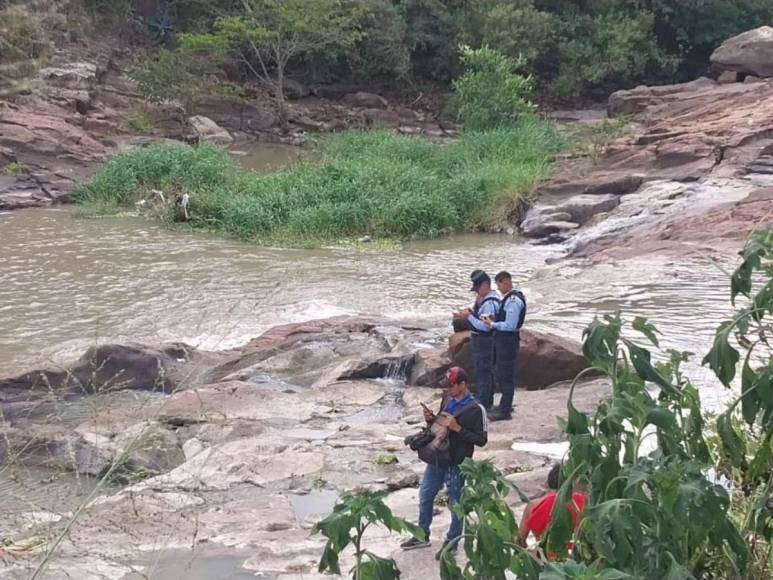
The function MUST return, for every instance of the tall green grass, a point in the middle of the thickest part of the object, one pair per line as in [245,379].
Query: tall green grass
[377,183]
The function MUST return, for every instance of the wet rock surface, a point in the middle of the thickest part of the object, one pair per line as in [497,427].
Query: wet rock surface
[698,150]
[232,473]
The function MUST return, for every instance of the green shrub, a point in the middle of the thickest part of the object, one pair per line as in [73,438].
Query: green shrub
[614,49]
[23,42]
[139,123]
[489,93]
[376,183]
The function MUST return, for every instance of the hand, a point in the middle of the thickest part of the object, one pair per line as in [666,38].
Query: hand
[487,319]
[449,421]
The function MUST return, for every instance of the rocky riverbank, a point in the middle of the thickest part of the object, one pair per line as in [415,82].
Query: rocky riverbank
[237,453]
[694,176]
[58,126]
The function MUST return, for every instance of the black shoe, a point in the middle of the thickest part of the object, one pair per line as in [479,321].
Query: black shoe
[452,549]
[413,543]
[500,415]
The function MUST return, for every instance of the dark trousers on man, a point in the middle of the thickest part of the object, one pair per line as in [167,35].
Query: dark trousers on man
[482,346]
[506,346]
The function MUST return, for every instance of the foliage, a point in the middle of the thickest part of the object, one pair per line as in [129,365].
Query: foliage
[139,123]
[489,94]
[746,451]
[382,50]
[385,459]
[165,75]
[604,51]
[13,168]
[375,183]
[352,515]
[23,42]
[490,528]
[269,33]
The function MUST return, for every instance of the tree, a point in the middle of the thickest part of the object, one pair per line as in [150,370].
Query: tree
[271,33]
[490,93]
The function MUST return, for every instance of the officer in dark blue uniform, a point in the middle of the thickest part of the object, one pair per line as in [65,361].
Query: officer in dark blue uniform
[506,328]
[480,317]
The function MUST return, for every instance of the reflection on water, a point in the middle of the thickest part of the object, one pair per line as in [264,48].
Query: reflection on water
[67,283]
[264,157]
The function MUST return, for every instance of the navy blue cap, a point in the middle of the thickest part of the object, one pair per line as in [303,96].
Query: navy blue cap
[478,277]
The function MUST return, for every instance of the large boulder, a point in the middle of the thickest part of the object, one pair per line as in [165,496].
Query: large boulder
[208,131]
[544,359]
[73,75]
[114,367]
[365,100]
[749,53]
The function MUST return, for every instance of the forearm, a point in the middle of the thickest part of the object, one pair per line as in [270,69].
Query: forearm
[477,323]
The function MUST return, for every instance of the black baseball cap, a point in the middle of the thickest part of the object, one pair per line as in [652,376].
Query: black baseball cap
[478,277]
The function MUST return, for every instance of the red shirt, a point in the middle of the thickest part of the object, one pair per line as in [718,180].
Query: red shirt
[539,518]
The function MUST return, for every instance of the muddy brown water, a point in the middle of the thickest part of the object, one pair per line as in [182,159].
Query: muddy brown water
[68,283]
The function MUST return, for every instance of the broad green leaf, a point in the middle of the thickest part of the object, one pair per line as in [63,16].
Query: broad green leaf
[763,301]
[640,324]
[762,464]
[524,566]
[722,358]
[677,571]
[576,422]
[732,446]
[640,358]
[764,384]
[662,418]
[449,569]
[374,567]
[750,403]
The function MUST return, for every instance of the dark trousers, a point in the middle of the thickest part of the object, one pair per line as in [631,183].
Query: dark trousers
[506,346]
[482,346]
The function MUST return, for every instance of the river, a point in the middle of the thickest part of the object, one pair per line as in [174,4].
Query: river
[67,283]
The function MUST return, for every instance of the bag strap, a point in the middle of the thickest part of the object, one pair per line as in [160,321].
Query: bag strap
[466,406]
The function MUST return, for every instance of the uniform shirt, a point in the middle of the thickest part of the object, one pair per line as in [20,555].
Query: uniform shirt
[490,307]
[513,308]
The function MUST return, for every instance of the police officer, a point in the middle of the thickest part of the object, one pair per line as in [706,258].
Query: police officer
[507,341]
[485,309]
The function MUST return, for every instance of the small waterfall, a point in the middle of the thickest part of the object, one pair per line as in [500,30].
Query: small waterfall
[396,370]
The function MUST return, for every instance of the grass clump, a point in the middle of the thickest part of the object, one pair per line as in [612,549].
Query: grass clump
[139,123]
[376,183]
[13,168]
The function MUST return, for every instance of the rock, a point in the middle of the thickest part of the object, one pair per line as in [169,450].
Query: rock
[100,126]
[752,79]
[380,116]
[114,367]
[365,239]
[727,77]
[208,131]
[244,461]
[402,480]
[429,367]
[539,227]
[75,75]
[295,89]
[365,100]
[235,400]
[635,101]
[544,359]
[584,206]
[748,53]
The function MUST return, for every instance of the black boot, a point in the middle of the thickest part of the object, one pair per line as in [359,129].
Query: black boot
[500,415]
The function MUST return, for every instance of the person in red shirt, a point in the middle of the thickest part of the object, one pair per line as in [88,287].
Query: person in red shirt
[536,516]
